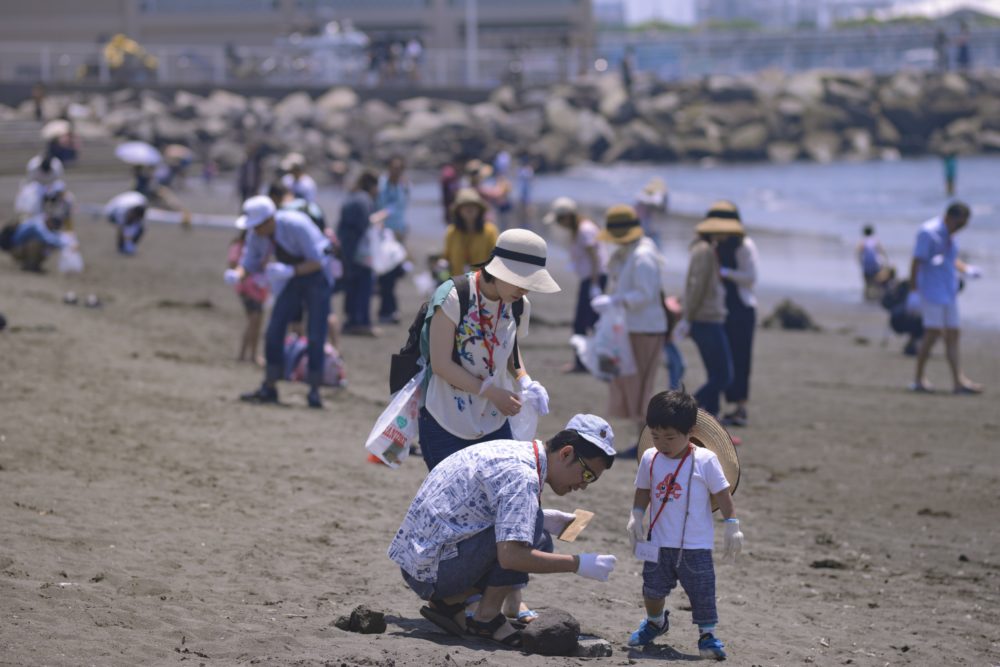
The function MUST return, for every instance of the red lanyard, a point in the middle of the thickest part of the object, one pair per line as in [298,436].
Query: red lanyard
[538,467]
[487,343]
[670,481]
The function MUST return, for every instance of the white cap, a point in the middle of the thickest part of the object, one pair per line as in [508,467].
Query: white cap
[594,429]
[256,210]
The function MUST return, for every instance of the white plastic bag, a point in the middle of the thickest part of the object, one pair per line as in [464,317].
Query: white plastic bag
[387,252]
[607,354]
[70,259]
[396,428]
[524,425]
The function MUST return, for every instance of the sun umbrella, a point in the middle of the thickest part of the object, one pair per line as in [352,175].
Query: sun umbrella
[176,153]
[138,153]
[55,128]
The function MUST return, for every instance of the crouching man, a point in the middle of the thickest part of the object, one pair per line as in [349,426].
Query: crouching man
[476,525]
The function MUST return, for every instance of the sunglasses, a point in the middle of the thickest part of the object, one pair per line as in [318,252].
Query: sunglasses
[589,476]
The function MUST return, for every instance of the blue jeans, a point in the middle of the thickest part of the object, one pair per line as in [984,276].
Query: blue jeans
[740,325]
[675,364]
[696,573]
[710,337]
[437,444]
[358,283]
[476,566]
[313,292]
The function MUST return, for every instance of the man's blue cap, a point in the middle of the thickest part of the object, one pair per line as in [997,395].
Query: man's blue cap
[595,430]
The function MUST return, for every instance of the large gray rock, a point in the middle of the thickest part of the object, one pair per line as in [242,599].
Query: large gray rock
[747,142]
[722,88]
[783,152]
[337,99]
[822,146]
[554,632]
[295,108]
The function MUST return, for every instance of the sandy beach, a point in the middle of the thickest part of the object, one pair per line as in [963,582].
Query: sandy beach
[150,518]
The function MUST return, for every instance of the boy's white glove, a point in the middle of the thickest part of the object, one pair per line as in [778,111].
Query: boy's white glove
[733,543]
[596,566]
[534,393]
[973,271]
[725,272]
[278,273]
[636,533]
[555,521]
[913,302]
[231,276]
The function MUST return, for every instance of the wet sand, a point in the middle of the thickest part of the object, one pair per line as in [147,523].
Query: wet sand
[150,518]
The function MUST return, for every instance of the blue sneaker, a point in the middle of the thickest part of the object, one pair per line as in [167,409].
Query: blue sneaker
[710,647]
[647,632]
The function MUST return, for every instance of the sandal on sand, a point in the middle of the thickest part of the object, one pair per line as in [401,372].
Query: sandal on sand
[486,630]
[968,390]
[920,388]
[443,616]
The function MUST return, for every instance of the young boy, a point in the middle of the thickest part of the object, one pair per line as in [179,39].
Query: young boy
[679,481]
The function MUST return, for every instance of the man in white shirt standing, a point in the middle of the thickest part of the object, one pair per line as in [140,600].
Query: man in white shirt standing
[476,525]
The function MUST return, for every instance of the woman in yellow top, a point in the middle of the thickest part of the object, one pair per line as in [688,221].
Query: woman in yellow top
[470,237]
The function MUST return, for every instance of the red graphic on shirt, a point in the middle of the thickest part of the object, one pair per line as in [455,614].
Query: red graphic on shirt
[668,483]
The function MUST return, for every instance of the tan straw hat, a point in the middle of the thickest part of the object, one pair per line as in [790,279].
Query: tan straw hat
[711,435]
[292,161]
[468,196]
[519,259]
[722,218]
[561,206]
[621,225]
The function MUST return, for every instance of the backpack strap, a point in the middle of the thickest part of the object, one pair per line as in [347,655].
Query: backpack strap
[462,288]
[517,308]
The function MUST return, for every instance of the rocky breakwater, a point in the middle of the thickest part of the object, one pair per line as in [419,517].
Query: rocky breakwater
[819,116]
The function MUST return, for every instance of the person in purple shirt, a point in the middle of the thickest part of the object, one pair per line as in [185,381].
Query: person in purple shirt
[297,260]
[934,275]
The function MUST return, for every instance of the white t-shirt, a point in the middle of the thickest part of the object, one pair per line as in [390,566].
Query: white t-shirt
[579,257]
[466,415]
[706,479]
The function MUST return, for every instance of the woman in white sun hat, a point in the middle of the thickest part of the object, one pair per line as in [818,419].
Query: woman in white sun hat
[477,377]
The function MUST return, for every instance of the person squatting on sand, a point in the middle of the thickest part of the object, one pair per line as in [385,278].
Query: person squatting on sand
[635,281]
[127,212]
[301,276]
[934,275]
[476,525]
[677,545]
[588,259]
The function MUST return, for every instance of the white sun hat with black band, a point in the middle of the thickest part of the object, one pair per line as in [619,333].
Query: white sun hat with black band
[519,259]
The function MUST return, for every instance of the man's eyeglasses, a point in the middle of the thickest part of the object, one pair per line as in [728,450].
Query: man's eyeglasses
[589,476]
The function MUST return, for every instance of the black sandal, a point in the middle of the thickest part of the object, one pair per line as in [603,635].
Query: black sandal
[443,616]
[486,630]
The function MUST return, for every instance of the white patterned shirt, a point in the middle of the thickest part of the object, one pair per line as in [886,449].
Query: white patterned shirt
[495,484]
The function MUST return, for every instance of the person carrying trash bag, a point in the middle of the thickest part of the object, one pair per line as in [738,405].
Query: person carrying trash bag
[300,275]
[476,525]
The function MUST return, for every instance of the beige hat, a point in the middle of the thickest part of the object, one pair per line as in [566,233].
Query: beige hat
[468,196]
[722,218]
[519,259]
[656,185]
[293,160]
[561,206]
[711,435]
[621,225]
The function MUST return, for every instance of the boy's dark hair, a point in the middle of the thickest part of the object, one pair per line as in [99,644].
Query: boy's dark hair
[366,181]
[868,230]
[672,409]
[277,191]
[582,447]
[958,210]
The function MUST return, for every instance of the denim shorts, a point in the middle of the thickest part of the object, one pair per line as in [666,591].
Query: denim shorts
[696,574]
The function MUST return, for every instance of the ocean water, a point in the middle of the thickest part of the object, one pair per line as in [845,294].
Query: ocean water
[806,218]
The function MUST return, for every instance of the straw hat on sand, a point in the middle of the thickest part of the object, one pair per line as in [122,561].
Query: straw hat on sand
[621,225]
[722,218]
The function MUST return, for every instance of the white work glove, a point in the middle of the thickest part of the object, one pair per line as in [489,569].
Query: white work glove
[681,329]
[596,566]
[555,521]
[602,302]
[534,393]
[973,271]
[733,543]
[278,273]
[636,533]
[595,291]
[231,276]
